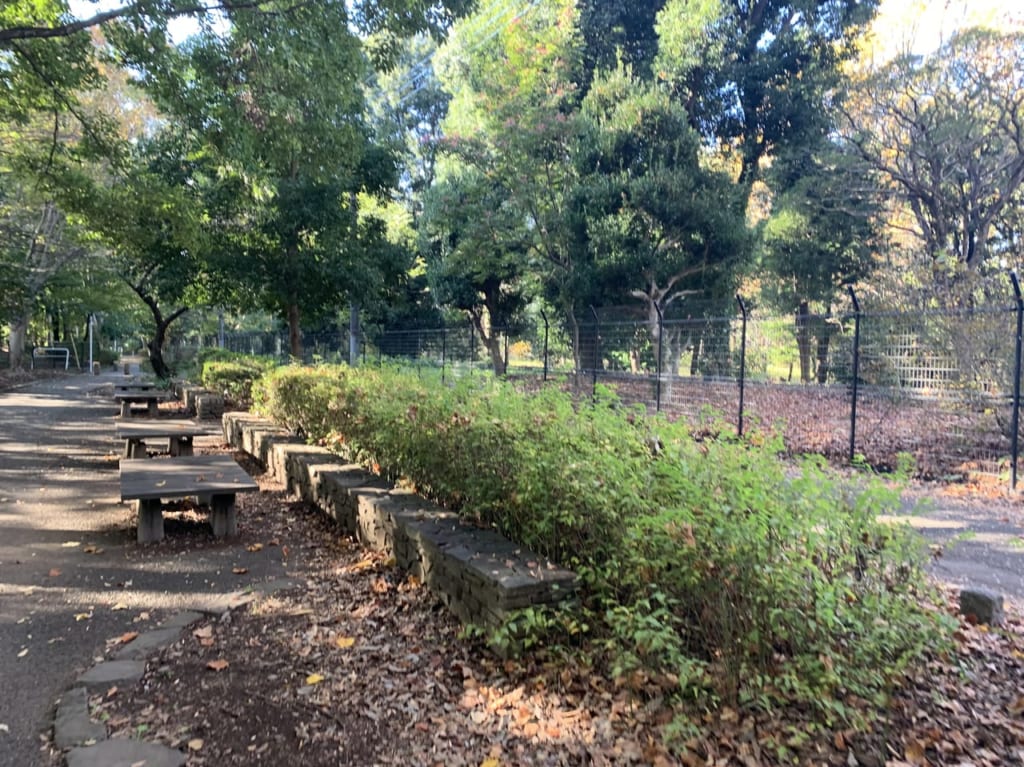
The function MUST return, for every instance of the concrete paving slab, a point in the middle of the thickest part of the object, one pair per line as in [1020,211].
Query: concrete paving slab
[112,672]
[72,726]
[125,753]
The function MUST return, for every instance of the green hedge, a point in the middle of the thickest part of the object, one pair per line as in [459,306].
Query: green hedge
[711,563]
[232,374]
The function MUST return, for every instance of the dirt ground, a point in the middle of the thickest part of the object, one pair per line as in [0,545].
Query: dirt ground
[360,666]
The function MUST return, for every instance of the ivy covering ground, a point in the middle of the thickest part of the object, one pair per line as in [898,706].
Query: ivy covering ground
[729,576]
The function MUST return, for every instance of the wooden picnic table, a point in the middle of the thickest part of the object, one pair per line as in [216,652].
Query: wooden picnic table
[148,398]
[179,433]
[135,386]
[151,482]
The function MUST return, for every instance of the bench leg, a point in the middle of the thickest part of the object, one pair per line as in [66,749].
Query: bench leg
[222,516]
[151,520]
[134,448]
[126,409]
[151,408]
[179,446]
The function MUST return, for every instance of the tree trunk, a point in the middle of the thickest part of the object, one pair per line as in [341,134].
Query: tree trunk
[18,330]
[156,351]
[491,342]
[803,341]
[294,332]
[824,337]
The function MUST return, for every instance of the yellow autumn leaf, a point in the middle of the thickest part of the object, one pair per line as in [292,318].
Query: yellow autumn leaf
[345,642]
[314,679]
[82,616]
[490,762]
[254,547]
[195,744]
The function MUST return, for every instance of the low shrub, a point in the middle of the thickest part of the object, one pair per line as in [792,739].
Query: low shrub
[707,564]
[233,374]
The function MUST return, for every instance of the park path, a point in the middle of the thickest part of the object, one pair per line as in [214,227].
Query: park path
[71,574]
[981,538]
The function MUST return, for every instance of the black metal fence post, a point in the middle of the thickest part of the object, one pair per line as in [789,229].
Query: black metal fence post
[856,371]
[444,352]
[506,353]
[658,364]
[1015,413]
[743,361]
[544,315]
[597,351]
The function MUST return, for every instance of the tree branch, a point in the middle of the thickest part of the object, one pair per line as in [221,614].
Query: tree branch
[70,28]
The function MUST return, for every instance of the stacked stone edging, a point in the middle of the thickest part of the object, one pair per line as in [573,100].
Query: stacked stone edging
[478,573]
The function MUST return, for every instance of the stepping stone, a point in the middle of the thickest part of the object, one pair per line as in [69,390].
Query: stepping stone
[145,644]
[72,725]
[112,672]
[986,606]
[182,619]
[125,753]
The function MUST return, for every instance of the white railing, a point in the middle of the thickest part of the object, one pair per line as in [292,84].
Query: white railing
[54,353]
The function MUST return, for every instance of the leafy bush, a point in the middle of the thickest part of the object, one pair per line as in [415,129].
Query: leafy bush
[233,374]
[709,564]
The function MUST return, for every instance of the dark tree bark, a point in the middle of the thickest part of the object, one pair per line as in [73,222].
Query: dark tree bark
[155,345]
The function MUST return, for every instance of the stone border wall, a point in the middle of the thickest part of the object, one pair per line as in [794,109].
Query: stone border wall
[479,574]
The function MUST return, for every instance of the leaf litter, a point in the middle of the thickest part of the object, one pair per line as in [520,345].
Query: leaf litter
[361,665]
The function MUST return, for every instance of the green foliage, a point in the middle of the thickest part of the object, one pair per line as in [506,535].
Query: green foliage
[232,374]
[710,563]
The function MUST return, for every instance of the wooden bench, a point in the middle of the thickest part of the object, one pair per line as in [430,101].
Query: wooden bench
[150,482]
[179,434]
[148,398]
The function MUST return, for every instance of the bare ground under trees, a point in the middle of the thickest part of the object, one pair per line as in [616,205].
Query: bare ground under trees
[359,665]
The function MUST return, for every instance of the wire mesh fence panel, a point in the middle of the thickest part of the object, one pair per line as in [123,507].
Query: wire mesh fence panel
[936,385]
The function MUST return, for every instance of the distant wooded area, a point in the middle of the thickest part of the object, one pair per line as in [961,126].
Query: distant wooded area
[401,165]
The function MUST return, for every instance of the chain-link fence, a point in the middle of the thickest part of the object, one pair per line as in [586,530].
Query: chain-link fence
[940,386]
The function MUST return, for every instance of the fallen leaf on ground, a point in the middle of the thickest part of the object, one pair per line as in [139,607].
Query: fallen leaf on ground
[314,679]
[195,744]
[218,665]
[364,564]
[254,547]
[23,653]
[119,606]
[127,637]
[92,550]
[203,633]
[345,642]
[54,572]
[239,570]
[82,616]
